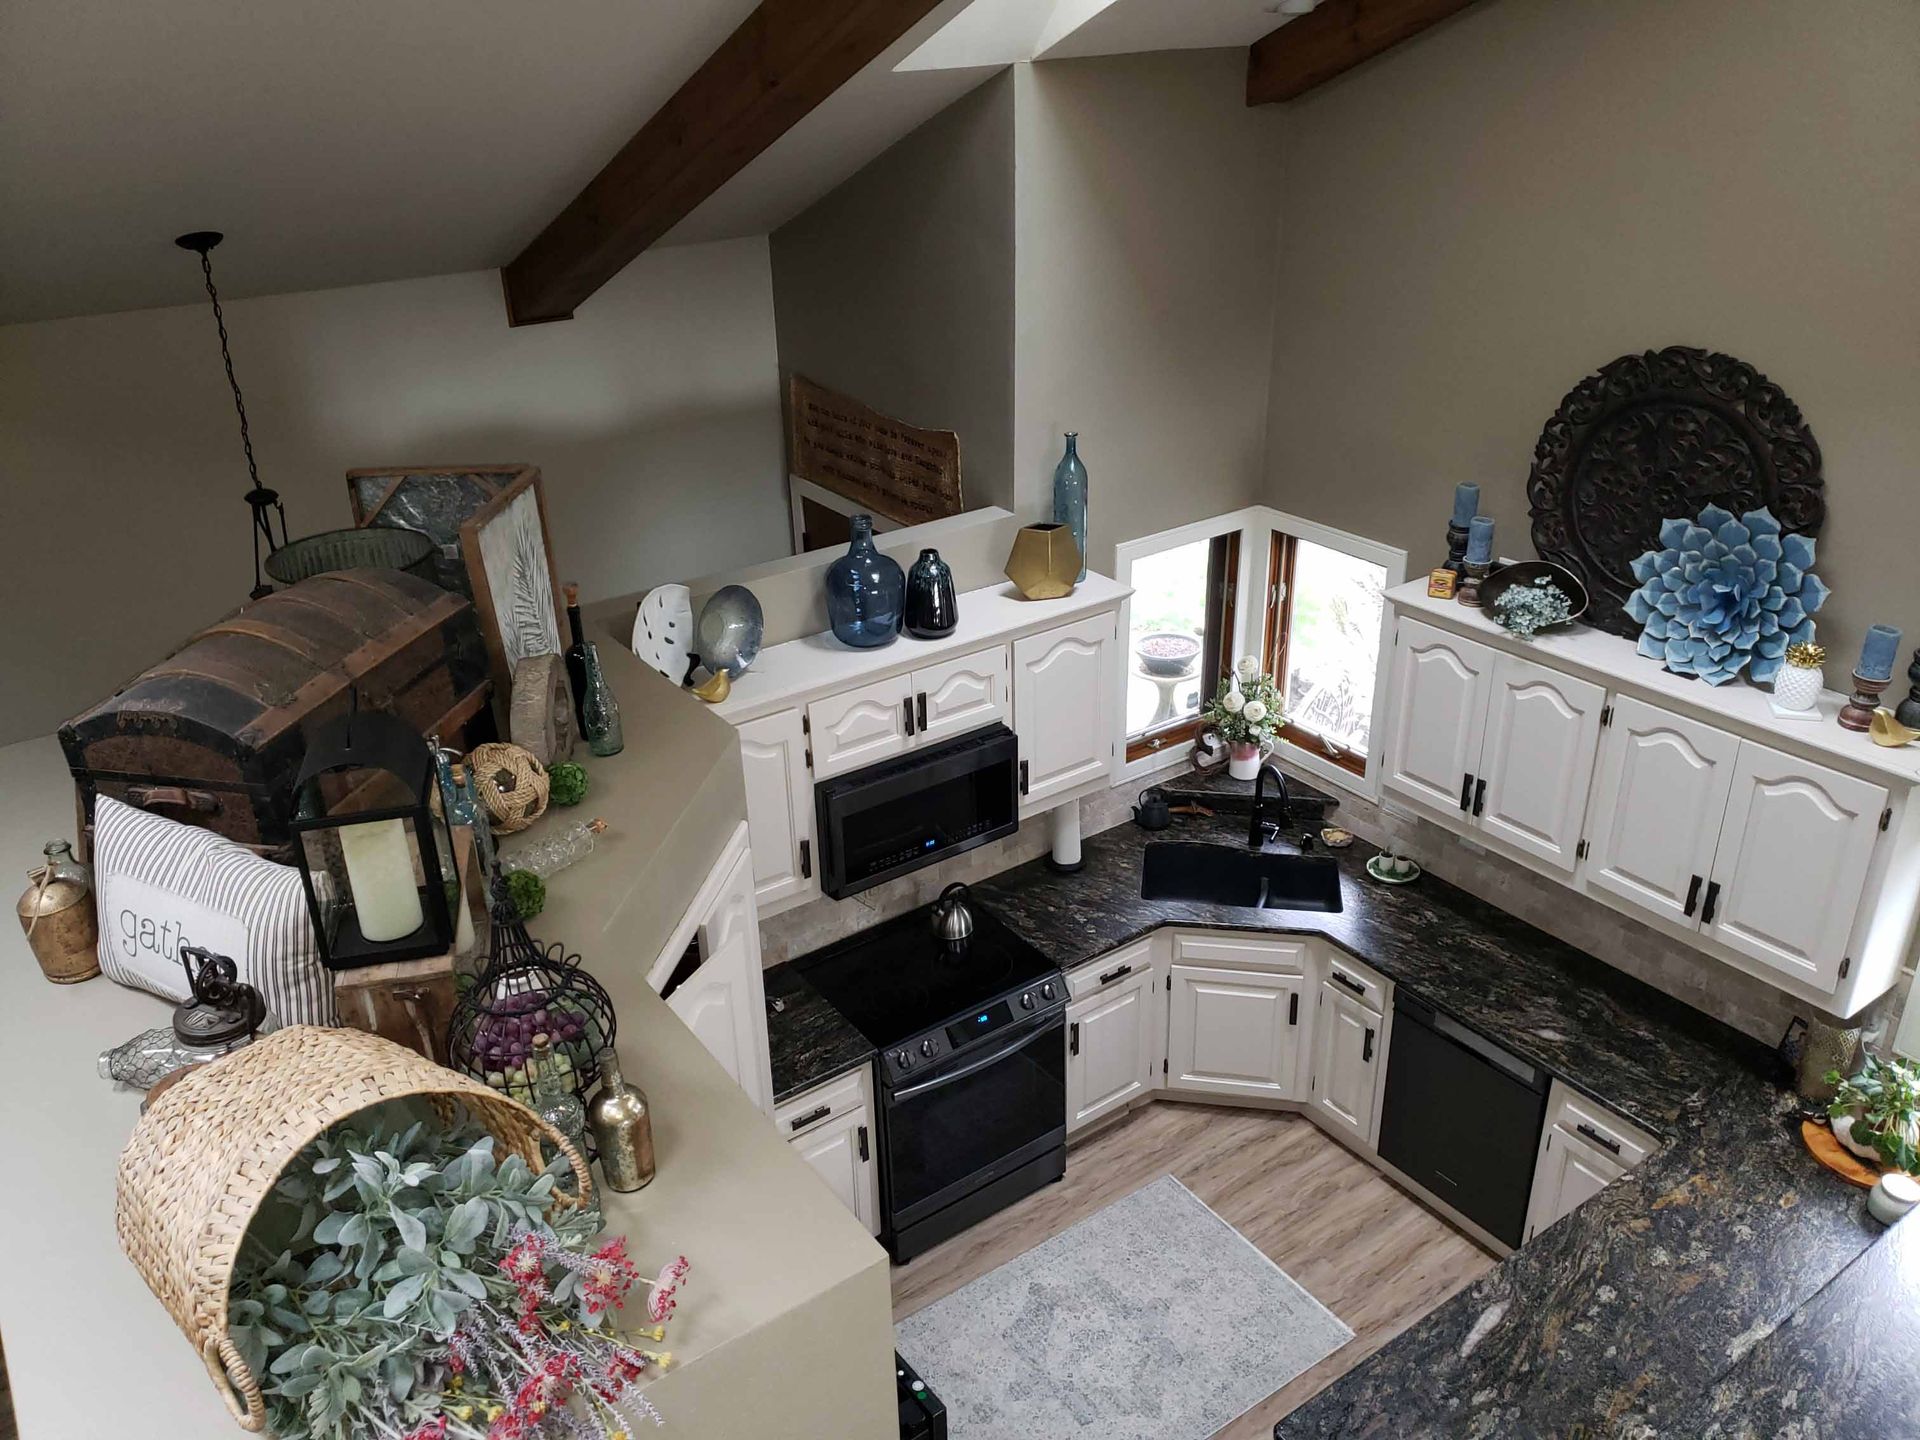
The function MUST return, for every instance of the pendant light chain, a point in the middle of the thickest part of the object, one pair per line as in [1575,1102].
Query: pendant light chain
[226,359]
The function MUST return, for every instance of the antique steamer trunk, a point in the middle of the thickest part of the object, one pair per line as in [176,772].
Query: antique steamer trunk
[214,734]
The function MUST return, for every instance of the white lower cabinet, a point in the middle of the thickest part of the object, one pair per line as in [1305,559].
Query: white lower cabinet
[1584,1147]
[831,1128]
[1236,1032]
[1349,1059]
[1113,1046]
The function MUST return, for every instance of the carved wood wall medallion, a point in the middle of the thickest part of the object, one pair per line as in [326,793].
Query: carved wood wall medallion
[1654,436]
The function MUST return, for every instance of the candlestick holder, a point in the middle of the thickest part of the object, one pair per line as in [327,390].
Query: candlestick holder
[1456,549]
[1469,591]
[1857,713]
[1908,711]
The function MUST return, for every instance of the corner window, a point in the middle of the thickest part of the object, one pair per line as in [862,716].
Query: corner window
[1325,611]
[1179,639]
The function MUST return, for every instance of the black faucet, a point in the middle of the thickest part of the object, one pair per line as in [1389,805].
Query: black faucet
[1260,830]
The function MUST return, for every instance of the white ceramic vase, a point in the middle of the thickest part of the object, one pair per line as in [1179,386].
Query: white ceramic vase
[1243,761]
[1796,688]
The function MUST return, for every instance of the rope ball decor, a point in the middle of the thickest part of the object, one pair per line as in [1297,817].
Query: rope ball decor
[512,785]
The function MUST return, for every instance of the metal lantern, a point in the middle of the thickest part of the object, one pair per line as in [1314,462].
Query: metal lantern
[375,859]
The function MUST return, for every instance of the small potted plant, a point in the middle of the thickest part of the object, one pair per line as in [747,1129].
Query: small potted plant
[1245,714]
[1876,1114]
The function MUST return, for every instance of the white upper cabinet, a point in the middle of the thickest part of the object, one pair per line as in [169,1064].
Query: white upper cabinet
[1791,863]
[724,1001]
[961,695]
[1657,809]
[862,727]
[1112,1049]
[1440,688]
[1064,681]
[1530,788]
[773,759]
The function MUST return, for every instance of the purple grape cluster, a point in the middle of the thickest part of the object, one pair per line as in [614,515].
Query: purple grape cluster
[503,1038]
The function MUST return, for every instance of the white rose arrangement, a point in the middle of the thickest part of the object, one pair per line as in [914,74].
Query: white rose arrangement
[1246,710]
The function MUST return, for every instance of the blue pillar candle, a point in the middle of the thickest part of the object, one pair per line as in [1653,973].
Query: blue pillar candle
[1466,503]
[1877,655]
[1479,540]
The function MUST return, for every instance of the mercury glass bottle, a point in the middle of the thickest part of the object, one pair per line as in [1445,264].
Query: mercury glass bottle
[622,1128]
[1070,497]
[599,711]
[553,1097]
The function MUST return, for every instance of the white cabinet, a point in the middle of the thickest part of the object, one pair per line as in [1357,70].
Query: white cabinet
[724,1000]
[1235,1032]
[861,727]
[1657,809]
[1349,1051]
[1064,683]
[1584,1148]
[1791,863]
[1493,742]
[1113,1046]
[961,695]
[773,760]
[831,1128]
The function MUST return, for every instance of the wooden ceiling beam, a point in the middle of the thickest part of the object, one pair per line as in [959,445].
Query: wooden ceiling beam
[1333,38]
[786,57]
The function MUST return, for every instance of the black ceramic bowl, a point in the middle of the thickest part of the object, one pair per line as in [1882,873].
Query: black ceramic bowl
[1533,572]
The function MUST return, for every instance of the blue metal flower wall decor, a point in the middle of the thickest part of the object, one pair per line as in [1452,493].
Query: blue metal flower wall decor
[1722,595]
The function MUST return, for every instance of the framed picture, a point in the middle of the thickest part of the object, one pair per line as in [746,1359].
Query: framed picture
[508,552]
[435,500]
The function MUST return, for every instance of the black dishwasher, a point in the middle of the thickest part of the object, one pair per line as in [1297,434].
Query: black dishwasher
[1462,1117]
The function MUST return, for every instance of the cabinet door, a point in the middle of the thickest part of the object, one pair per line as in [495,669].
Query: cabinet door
[1346,1063]
[1062,708]
[961,695]
[1236,1032]
[1657,809]
[1543,729]
[1792,860]
[1110,1054]
[1440,688]
[860,727]
[724,1001]
[773,758]
[841,1152]
[1569,1173]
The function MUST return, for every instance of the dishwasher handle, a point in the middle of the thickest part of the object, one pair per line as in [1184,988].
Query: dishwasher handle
[1448,1028]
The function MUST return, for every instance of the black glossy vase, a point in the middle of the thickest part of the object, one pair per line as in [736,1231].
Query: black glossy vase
[932,607]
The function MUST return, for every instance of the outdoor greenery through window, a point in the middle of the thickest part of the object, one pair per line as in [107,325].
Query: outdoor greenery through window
[1324,645]
[1181,625]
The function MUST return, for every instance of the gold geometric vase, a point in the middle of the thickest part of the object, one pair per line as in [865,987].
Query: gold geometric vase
[1045,562]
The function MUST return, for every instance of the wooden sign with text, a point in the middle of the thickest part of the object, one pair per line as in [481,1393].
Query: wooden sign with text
[897,471]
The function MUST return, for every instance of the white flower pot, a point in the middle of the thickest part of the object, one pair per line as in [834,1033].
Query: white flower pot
[1243,761]
[1795,688]
[1842,1126]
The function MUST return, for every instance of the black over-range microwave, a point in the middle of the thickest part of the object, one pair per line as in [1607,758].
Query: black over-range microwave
[900,815]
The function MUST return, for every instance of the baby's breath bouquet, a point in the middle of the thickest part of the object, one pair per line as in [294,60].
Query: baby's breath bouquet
[403,1283]
[1245,710]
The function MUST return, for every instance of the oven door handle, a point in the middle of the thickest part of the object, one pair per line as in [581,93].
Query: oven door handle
[1052,1026]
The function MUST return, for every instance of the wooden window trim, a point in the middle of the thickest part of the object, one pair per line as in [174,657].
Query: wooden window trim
[1280,565]
[1223,583]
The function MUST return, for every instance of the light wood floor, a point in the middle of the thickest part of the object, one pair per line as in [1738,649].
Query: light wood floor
[1375,1258]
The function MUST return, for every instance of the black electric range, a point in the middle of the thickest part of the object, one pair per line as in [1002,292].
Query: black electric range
[972,1042]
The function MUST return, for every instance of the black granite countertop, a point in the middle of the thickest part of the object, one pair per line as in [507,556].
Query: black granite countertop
[1655,1310]
[808,1041]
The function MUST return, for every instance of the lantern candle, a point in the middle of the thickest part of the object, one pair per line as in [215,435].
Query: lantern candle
[380,873]
[1479,540]
[1466,503]
[1877,654]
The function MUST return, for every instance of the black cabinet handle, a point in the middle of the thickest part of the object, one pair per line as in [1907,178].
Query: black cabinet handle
[1113,975]
[1693,897]
[907,705]
[1605,1142]
[1340,977]
[806,859]
[1073,1038]
[1466,792]
[1293,1008]
[800,1122]
[920,709]
[864,1152]
[1479,796]
[1713,900]
[1023,777]
[1366,1048]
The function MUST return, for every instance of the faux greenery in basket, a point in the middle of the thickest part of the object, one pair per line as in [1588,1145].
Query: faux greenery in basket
[402,1284]
[1879,1109]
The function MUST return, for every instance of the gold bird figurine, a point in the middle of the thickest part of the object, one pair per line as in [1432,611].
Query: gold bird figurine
[715,687]
[1886,730]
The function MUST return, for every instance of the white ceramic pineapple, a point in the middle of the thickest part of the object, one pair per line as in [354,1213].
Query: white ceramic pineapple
[1797,686]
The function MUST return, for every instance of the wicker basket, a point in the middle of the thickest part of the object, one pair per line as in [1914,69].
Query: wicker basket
[209,1149]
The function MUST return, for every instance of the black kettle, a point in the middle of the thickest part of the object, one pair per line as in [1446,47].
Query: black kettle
[1153,812]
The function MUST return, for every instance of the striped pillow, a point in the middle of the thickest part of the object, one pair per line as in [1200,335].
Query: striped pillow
[162,885]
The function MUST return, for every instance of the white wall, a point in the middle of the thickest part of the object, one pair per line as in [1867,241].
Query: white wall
[1147,206]
[654,416]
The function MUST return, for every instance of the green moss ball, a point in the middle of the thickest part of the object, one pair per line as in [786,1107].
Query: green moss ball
[528,893]
[568,782]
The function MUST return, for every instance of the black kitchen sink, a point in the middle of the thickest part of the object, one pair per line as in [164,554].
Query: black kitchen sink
[1223,875]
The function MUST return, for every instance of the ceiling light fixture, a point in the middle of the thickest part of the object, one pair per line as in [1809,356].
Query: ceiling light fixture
[259,498]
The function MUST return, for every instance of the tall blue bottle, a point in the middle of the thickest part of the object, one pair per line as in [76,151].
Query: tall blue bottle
[866,592]
[1070,497]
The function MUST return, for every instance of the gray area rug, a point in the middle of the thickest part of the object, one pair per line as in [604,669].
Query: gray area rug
[1153,1319]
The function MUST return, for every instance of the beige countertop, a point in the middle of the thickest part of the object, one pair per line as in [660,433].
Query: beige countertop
[787,1318]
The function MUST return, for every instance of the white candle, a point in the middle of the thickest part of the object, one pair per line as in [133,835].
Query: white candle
[380,875]
[463,922]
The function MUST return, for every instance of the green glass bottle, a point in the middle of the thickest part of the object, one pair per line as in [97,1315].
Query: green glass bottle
[599,711]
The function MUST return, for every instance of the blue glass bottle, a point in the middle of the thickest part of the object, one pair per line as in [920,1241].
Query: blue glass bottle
[1070,497]
[865,592]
